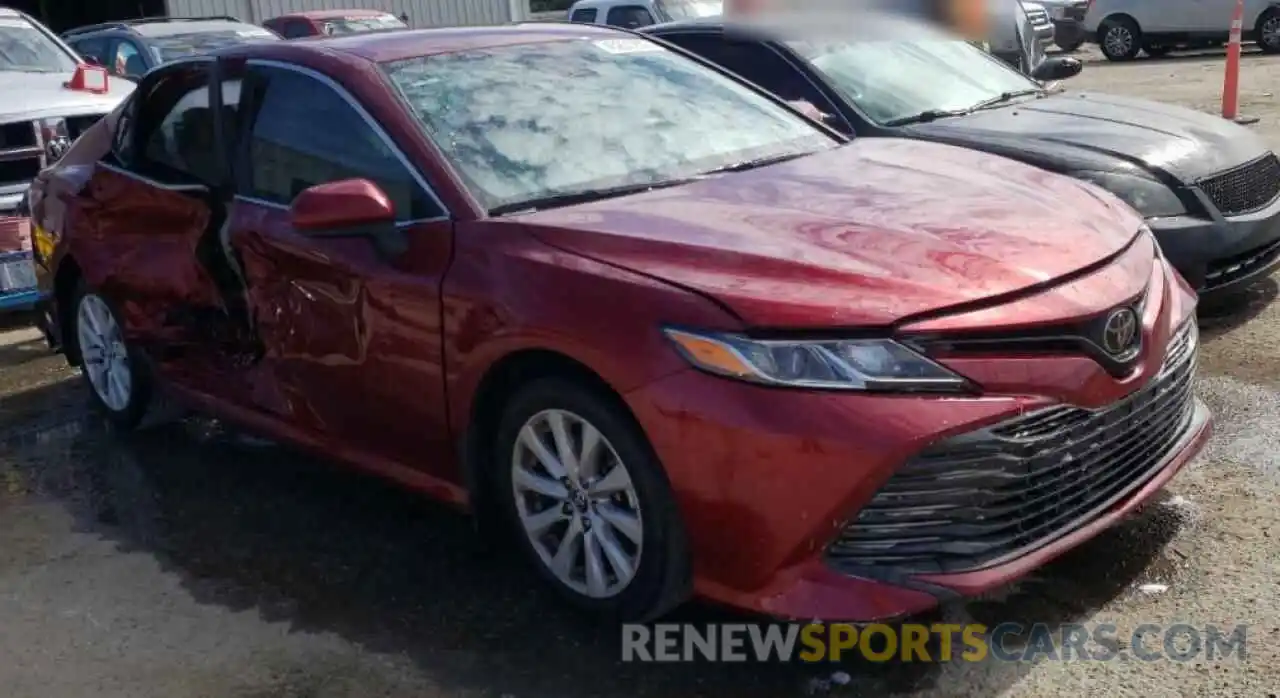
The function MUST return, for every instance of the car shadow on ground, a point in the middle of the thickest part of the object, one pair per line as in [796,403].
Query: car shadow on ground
[260,528]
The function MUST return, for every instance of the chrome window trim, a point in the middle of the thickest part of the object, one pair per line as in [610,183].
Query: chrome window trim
[372,123]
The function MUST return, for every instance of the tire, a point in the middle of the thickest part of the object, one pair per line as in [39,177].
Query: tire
[654,550]
[1070,46]
[1268,30]
[1156,51]
[1119,38]
[121,392]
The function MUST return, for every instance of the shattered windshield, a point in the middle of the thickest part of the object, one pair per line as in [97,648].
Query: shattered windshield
[27,48]
[175,46]
[602,114]
[360,25]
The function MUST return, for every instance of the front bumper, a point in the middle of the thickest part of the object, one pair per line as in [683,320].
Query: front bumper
[768,481]
[1220,256]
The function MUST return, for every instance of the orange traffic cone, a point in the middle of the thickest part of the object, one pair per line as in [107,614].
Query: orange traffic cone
[1231,80]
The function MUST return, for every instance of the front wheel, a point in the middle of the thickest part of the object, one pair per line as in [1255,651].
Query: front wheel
[117,375]
[1269,32]
[1120,39]
[589,501]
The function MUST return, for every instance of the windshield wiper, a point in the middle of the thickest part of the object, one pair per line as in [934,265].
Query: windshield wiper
[753,164]
[926,116]
[582,197]
[1004,97]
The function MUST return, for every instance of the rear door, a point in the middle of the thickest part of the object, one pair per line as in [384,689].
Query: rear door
[147,206]
[352,337]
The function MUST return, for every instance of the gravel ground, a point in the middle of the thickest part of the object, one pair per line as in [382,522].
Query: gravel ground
[185,562]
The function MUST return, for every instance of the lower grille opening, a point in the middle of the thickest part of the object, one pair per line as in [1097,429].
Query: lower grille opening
[971,501]
[1226,271]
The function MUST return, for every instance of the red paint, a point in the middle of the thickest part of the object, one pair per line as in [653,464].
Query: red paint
[89,78]
[1231,78]
[342,204]
[375,361]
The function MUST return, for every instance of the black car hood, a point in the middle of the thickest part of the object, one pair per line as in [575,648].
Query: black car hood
[1183,143]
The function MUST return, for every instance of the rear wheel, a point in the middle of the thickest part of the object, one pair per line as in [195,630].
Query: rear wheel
[1119,38]
[589,502]
[1269,31]
[117,375]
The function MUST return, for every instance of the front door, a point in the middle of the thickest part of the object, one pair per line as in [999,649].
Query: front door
[151,203]
[351,335]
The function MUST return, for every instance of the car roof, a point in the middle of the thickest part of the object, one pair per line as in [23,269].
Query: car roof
[158,29]
[712,22]
[333,14]
[9,12]
[391,46]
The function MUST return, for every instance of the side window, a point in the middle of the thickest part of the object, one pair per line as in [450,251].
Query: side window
[128,60]
[629,16]
[95,50]
[296,29]
[176,135]
[305,133]
[585,16]
[757,63]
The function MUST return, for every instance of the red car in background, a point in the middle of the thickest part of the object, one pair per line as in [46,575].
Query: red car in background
[705,347]
[334,23]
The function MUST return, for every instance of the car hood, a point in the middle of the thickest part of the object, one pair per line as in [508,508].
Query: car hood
[1184,143]
[46,94]
[868,234]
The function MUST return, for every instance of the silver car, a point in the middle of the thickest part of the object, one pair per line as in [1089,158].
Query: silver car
[1125,28]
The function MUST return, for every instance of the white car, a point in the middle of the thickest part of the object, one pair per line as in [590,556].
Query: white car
[633,14]
[1123,28]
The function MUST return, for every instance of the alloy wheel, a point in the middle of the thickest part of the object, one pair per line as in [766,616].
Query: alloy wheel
[577,504]
[1118,41]
[104,356]
[1270,31]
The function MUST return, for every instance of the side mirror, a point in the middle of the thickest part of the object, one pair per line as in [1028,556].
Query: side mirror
[349,208]
[1057,68]
[88,78]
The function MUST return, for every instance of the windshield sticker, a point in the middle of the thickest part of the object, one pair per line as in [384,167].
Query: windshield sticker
[620,47]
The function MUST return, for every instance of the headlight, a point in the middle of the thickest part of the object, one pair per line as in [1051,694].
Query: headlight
[855,364]
[1147,196]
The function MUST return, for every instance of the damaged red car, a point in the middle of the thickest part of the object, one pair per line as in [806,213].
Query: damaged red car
[672,337]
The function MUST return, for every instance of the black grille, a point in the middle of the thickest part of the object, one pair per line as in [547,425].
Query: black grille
[20,170]
[1246,188]
[21,134]
[972,500]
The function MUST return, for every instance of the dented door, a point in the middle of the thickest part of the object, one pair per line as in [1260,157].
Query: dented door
[142,238]
[352,340]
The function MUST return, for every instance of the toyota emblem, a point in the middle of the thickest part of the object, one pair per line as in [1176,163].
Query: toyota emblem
[1120,332]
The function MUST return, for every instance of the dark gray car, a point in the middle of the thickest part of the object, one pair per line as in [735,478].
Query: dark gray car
[1210,189]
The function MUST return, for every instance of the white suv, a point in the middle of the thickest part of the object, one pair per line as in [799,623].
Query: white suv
[1123,28]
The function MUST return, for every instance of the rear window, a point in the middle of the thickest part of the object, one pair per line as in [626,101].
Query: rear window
[587,16]
[360,25]
[175,46]
[602,113]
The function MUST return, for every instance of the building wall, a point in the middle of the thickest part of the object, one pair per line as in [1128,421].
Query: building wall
[422,13]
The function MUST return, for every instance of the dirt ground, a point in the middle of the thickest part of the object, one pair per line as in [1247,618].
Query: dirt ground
[185,563]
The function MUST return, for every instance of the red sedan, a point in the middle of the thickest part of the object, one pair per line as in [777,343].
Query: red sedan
[676,338]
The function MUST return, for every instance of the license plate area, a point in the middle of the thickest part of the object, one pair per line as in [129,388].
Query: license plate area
[17,272]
